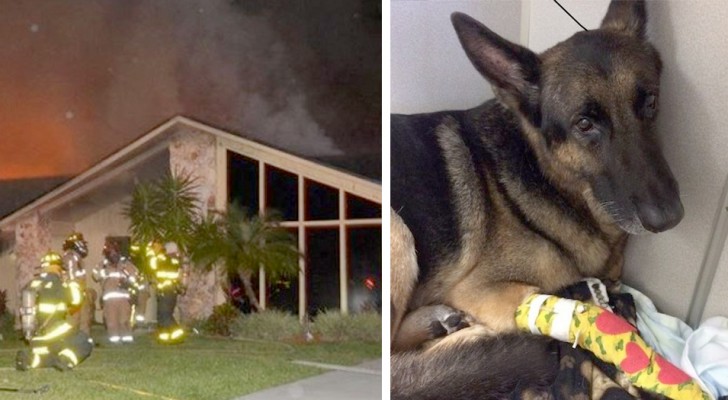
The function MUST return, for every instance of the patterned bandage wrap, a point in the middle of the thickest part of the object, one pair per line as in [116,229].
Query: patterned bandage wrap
[611,338]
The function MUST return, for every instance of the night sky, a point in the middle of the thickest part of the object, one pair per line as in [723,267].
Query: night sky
[81,79]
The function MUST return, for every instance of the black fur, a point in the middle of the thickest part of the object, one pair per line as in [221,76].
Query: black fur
[423,196]
[493,368]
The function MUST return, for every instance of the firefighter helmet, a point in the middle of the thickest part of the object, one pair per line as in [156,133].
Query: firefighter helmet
[76,242]
[51,258]
[111,251]
[171,248]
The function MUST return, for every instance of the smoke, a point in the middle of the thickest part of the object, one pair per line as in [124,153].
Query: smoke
[91,76]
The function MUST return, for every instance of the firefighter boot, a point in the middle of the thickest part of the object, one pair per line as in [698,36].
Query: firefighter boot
[22,360]
[61,363]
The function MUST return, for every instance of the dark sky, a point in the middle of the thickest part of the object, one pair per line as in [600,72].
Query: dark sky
[81,79]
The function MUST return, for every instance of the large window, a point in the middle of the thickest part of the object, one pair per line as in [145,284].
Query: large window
[322,267]
[283,293]
[281,192]
[365,268]
[338,229]
[322,202]
[243,182]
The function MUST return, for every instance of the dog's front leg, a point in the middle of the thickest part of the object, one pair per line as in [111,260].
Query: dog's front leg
[493,305]
[428,323]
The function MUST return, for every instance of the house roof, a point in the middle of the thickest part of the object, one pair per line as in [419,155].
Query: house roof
[147,158]
[19,192]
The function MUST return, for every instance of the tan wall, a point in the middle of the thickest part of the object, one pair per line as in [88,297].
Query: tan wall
[7,280]
[108,221]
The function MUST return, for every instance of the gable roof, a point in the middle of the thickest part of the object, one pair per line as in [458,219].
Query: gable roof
[19,192]
[145,157]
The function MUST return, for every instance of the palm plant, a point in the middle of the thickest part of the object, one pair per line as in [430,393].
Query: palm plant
[164,210]
[244,243]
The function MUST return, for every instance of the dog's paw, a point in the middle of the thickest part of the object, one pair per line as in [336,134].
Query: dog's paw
[447,320]
[428,323]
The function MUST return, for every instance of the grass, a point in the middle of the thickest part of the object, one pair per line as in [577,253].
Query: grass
[200,368]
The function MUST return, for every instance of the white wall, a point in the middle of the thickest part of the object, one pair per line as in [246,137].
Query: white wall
[430,72]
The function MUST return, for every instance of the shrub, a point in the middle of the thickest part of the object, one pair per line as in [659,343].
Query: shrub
[3,302]
[6,319]
[7,328]
[268,325]
[334,326]
[221,320]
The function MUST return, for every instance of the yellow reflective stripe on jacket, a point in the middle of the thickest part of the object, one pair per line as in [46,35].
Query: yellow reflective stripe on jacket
[115,295]
[60,330]
[68,353]
[36,361]
[76,295]
[35,284]
[167,274]
[164,284]
[41,350]
[50,308]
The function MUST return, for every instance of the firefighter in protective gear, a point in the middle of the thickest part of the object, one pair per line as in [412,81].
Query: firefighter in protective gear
[75,250]
[54,342]
[167,269]
[140,291]
[117,276]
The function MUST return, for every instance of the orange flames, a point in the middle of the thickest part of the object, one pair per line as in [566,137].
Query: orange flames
[33,146]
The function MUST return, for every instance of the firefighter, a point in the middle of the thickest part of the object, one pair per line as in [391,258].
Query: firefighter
[53,341]
[140,291]
[75,250]
[117,276]
[167,269]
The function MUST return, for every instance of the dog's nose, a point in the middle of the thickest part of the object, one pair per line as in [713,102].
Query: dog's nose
[658,218]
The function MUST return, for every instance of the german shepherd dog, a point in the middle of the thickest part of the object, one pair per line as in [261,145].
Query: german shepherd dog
[529,192]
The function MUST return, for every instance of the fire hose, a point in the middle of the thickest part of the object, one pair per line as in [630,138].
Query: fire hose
[41,389]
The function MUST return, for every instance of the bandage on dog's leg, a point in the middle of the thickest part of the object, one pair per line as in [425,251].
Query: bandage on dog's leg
[611,338]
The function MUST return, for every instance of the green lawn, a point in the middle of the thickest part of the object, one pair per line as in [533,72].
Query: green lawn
[200,368]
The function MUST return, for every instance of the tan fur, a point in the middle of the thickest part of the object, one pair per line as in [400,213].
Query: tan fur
[471,334]
[403,274]
[498,250]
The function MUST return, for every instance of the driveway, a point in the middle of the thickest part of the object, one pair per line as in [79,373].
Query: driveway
[362,382]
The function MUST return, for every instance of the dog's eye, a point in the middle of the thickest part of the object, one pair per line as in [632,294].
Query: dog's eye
[584,125]
[651,106]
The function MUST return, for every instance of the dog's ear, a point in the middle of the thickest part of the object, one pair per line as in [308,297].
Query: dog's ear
[512,69]
[627,16]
